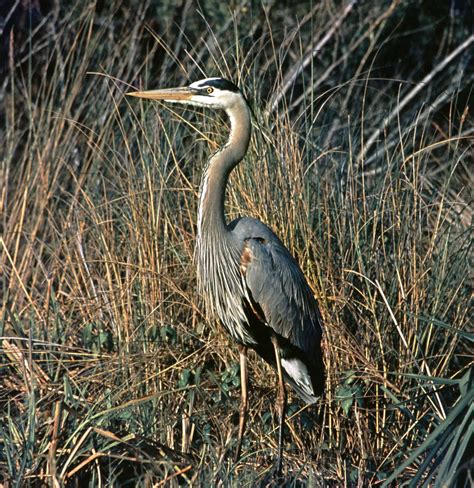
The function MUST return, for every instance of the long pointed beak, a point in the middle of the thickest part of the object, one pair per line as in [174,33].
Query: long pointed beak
[170,94]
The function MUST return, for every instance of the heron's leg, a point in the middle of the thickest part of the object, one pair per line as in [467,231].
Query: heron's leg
[280,404]
[243,402]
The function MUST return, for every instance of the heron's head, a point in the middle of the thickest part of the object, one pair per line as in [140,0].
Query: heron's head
[210,92]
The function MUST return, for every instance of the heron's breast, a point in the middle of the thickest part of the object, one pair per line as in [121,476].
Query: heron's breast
[220,281]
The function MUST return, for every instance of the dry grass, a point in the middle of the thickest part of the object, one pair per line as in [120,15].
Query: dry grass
[111,373]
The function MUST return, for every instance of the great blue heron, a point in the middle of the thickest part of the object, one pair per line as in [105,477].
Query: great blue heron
[252,282]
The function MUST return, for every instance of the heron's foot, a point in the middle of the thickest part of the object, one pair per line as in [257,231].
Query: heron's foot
[278,468]
[274,479]
[237,452]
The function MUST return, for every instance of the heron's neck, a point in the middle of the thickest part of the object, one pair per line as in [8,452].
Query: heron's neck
[211,216]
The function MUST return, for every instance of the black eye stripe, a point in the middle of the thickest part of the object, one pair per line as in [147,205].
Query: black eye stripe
[221,84]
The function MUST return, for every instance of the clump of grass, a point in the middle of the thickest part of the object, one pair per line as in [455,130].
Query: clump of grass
[111,371]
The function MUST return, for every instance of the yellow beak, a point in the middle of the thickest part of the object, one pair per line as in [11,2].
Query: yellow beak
[165,94]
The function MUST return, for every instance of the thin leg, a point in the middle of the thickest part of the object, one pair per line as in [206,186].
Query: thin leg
[243,403]
[280,404]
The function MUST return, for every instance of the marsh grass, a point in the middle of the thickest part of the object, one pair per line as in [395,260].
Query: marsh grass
[111,372]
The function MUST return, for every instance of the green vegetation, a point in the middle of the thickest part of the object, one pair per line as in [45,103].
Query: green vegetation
[111,374]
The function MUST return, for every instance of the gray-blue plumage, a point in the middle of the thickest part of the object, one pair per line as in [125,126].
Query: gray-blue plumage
[281,300]
[248,277]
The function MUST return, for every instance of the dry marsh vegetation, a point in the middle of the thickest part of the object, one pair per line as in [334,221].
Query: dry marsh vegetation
[111,373]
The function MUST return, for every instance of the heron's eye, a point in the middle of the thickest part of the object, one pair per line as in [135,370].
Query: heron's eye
[209,89]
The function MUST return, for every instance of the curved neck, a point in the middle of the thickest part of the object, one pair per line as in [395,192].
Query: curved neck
[211,217]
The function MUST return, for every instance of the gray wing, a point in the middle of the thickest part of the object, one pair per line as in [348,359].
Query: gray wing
[278,286]
[283,303]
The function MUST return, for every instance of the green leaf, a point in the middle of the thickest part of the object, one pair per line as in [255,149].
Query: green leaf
[185,378]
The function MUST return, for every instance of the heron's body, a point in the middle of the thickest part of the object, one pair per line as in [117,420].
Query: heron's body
[269,297]
[251,281]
